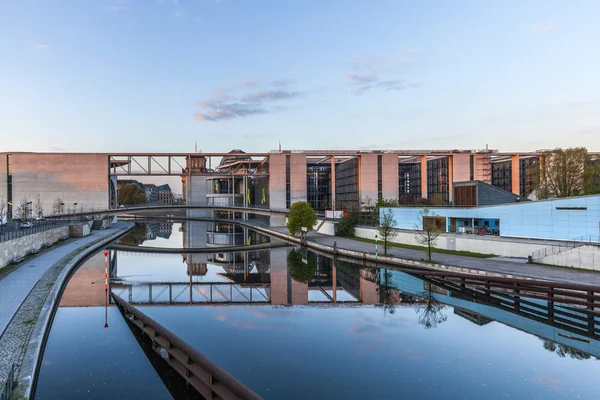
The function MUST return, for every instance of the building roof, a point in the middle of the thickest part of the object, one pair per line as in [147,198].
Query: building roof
[164,187]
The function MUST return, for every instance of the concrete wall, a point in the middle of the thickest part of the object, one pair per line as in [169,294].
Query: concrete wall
[367,177]
[586,257]
[297,177]
[461,168]
[533,219]
[478,244]
[328,228]
[17,248]
[390,184]
[277,181]
[3,177]
[72,177]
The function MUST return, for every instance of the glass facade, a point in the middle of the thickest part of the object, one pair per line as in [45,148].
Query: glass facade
[502,175]
[318,186]
[379,177]
[346,184]
[288,184]
[9,188]
[437,179]
[527,171]
[409,176]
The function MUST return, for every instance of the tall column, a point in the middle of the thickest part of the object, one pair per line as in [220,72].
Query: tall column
[389,178]
[450,178]
[367,177]
[424,177]
[333,182]
[515,175]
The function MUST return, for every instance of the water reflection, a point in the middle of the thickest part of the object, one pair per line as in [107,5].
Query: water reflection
[295,324]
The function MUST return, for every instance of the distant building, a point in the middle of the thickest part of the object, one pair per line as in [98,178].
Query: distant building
[151,193]
[477,193]
[164,194]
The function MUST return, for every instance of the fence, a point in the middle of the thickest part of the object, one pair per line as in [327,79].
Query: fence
[7,387]
[571,244]
[17,232]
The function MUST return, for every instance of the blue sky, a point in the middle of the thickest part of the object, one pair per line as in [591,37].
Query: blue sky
[126,75]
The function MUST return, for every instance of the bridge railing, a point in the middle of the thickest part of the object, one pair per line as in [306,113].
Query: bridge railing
[210,380]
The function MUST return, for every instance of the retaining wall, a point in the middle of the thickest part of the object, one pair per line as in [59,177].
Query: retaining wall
[474,243]
[586,257]
[20,247]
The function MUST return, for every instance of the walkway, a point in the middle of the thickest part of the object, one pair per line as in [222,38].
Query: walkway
[484,264]
[15,287]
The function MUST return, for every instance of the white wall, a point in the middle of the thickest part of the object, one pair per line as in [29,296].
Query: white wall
[586,257]
[477,244]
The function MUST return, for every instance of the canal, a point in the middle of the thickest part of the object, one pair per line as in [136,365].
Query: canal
[292,324]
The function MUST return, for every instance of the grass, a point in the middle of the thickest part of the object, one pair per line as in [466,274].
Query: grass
[423,248]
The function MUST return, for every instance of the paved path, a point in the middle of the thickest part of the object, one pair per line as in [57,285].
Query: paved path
[484,264]
[15,287]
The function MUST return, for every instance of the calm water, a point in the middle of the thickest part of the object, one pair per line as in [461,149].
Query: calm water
[291,329]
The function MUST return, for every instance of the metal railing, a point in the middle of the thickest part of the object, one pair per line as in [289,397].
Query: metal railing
[567,245]
[7,387]
[206,377]
[18,232]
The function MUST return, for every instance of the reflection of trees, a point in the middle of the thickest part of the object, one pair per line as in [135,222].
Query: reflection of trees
[300,271]
[388,295]
[563,350]
[135,237]
[430,311]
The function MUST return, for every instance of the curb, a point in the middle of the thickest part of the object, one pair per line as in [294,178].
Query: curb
[29,369]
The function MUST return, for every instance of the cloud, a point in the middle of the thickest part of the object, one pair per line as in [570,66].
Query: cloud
[282,82]
[372,71]
[544,27]
[228,103]
[41,46]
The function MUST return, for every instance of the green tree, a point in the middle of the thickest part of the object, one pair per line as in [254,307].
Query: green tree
[429,232]
[301,215]
[345,227]
[299,270]
[386,228]
[566,173]
[131,194]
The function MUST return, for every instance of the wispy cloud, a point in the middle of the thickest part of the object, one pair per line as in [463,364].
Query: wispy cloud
[235,101]
[117,6]
[545,26]
[41,46]
[373,71]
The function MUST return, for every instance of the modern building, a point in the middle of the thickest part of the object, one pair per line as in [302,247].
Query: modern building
[327,179]
[151,192]
[164,194]
[571,218]
[478,193]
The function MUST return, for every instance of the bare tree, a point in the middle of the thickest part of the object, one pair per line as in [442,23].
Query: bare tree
[386,228]
[429,231]
[564,173]
[430,311]
[58,207]
[38,207]
[22,210]
[2,210]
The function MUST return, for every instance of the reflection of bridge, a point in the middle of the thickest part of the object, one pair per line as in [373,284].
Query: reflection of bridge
[186,293]
[220,249]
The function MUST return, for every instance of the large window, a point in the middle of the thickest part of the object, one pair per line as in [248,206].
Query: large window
[288,185]
[346,185]
[409,176]
[318,186]
[379,177]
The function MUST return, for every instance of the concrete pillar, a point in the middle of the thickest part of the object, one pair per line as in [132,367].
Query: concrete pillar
[424,177]
[389,169]
[279,276]
[368,289]
[298,177]
[515,175]
[299,293]
[367,177]
[333,182]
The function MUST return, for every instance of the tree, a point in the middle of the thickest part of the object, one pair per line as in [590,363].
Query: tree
[566,173]
[299,270]
[38,207]
[430,231]
[136,236]
[301,215]
[430,311]
[22,210]
[563,350]
[58,207]
[131,194]
[386,228]
[2,210]
[346,226]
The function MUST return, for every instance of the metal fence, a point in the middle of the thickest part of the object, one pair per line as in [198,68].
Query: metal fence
[571,244]
[17,232]
[7,387]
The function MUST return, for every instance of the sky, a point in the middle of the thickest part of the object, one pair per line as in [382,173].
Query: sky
[160,75]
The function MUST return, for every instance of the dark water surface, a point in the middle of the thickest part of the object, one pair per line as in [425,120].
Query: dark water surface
[314,330]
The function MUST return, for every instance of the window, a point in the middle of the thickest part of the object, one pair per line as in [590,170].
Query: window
[9,188]
[288,185]
[379,177]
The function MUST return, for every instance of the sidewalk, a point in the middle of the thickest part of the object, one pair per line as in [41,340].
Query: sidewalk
[484,264]
[15,287]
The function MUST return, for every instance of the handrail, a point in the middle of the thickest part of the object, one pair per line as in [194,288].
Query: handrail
[206,377]
[571,244]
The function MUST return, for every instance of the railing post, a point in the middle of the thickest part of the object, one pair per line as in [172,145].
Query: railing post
[517,297]
[551,304]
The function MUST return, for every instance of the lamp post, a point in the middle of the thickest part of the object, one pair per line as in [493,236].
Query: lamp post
[376,246]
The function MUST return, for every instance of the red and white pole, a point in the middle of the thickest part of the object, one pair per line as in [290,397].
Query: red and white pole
[106,288]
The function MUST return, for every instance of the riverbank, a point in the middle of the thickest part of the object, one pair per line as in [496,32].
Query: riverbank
[28,295]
